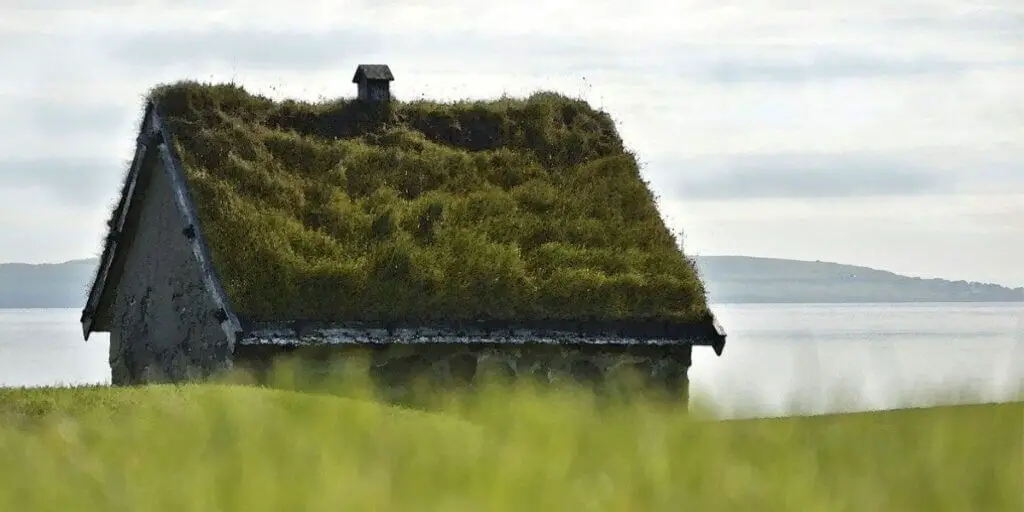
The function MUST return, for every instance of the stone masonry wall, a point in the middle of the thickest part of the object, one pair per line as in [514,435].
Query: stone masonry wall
[163,324]
[395,366]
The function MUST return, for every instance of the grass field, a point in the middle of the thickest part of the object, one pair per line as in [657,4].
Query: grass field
[230,447]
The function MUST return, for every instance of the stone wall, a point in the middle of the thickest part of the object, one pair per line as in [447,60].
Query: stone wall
[163,326]
[395,366]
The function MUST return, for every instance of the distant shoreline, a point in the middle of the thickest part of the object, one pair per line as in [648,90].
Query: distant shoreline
[746,279]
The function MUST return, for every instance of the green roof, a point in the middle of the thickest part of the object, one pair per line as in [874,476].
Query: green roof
[513,210]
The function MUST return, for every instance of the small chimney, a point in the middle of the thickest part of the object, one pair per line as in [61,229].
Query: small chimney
[373,81]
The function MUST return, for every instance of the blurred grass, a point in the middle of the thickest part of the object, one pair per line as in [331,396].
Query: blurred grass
[512,209]
[519,447]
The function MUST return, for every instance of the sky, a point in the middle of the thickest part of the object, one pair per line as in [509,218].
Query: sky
[870,132]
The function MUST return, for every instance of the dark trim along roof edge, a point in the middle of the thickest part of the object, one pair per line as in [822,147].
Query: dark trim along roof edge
[343,335]
[114,230]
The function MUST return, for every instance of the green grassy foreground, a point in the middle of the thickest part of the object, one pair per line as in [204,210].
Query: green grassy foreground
[224,447]
[513,209]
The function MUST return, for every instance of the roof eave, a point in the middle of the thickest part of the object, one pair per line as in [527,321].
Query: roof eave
[99,284]
[307,333]
[718,337]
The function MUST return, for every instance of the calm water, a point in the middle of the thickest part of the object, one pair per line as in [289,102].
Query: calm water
[779,358]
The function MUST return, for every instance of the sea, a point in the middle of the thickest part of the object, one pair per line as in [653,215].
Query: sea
[779,360]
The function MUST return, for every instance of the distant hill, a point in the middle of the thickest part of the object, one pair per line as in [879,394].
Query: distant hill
[749,279]
[727,278]
[45,285]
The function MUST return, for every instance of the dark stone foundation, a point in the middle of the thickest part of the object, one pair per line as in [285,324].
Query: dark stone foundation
[394,366]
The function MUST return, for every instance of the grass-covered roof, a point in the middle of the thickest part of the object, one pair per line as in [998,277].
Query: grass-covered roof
[514,209]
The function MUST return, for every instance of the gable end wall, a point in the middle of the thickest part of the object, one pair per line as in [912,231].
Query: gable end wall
[164,326]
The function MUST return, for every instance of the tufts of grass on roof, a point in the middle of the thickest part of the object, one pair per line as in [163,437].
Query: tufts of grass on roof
[514,209]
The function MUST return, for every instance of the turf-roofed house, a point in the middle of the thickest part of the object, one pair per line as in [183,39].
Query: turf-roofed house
[514,235]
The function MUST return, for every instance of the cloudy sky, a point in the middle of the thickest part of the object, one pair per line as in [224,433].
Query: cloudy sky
[874,132]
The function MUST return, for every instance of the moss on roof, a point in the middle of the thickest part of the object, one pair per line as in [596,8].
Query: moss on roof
[514,209]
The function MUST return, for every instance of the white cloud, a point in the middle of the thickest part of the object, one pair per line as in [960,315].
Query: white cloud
[37,227]
[932,82]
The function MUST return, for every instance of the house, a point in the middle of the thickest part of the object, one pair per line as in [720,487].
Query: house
[373,81]
[248,228]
